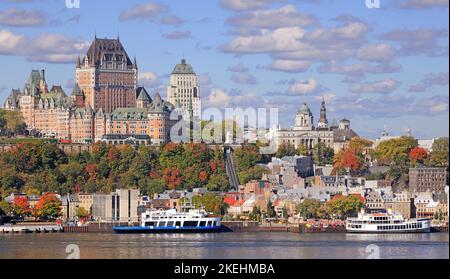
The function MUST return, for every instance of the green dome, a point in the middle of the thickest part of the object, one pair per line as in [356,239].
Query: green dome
[183,68]
[304,109]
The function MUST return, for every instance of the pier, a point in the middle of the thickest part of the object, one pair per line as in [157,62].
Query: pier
[31,229]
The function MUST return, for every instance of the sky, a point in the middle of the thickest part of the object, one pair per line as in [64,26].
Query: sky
[377,67]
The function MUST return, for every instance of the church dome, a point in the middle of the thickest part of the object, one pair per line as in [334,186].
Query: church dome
[304,109]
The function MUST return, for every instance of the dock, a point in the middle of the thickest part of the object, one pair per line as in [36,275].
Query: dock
[31,229]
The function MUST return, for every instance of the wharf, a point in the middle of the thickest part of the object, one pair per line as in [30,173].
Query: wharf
[32,228]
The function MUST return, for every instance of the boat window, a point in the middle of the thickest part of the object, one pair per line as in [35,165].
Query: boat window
[177,224]
[170,224]
[210,223]
[202,224]
[149,224]
[162,224]
[190,223]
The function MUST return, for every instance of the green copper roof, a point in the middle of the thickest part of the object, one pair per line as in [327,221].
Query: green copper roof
[304,109]
[129,114]
[183,68]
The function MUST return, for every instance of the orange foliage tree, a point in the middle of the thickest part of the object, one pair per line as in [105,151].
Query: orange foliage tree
[21,207]
[48,207]
[418,155]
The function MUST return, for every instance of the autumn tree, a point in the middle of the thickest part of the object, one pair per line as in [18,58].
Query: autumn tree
[48,207]
[418,156]
[21,206]
[81,213]
[395,151]
[346,161]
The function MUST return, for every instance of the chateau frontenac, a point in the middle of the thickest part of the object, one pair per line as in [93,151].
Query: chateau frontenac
[106,102]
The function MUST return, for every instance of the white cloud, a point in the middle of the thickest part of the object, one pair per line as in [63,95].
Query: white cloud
[217,98]
[379,53]
[278,40]
[245,5]
[291,66]
[149,79]
[286,16]
[178,35]
[382,86]
[303,87]
[243,78]
[50,48]
[10,43]
[429,81]
[144,11]
[419,41]
[21,18]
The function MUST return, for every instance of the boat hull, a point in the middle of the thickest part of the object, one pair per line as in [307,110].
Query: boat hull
[424,230]
[150,230]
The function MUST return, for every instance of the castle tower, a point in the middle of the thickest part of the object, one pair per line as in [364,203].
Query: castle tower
[183,88]
[107,76]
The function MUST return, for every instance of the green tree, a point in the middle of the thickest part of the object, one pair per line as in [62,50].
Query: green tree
[81,212]
[255,215]
[285,149]
[440,153]
[309,208]
[6,208]
[302,150]
[322,154]
[270,210]
[344,206]
[395,151]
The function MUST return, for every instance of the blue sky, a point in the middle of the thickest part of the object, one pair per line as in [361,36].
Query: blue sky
[376,67]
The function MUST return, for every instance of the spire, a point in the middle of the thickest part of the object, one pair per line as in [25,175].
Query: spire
[78,62]
[135,62]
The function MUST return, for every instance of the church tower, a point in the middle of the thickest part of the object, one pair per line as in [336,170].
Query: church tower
[323,121]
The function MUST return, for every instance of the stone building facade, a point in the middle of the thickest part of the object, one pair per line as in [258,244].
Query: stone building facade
[183,89]
[105,101]
[305,133]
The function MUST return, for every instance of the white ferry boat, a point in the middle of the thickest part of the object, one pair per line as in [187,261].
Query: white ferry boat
[386,223]
[158,221]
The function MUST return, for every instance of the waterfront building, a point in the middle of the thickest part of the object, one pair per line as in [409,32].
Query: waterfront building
[69,205]
[183,89]
[427,179]
[121,206]
[86,201]
[107,76]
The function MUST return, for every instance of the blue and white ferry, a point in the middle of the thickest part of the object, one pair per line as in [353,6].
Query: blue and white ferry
[170,221]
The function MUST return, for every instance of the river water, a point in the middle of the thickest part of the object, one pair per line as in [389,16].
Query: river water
[260,245]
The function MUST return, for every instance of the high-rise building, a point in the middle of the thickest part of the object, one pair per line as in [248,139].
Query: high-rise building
[427,179]
[183,89]
[107,76]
